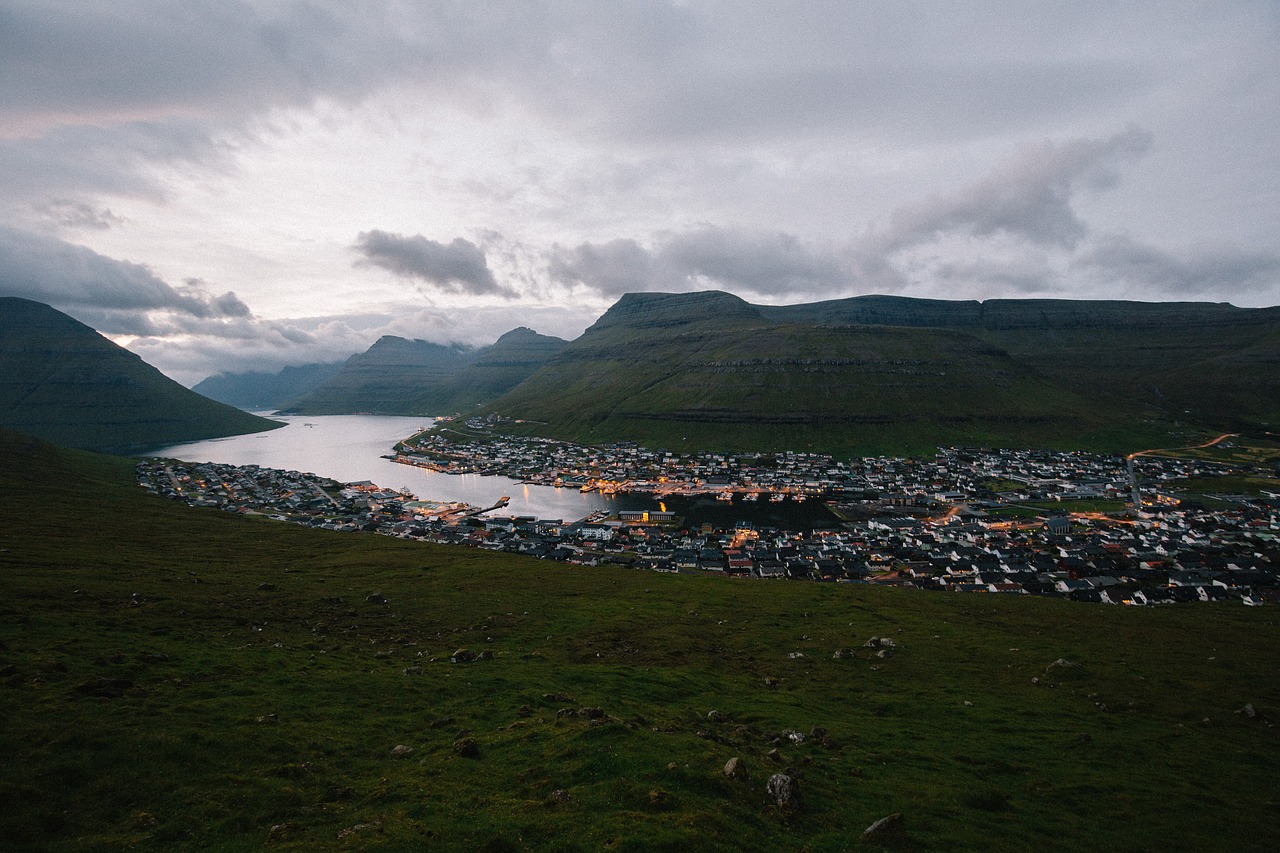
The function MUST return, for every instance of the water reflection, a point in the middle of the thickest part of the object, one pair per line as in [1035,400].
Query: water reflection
[349,448]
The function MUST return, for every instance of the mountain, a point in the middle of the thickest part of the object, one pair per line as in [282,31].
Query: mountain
[496,370]
[62,381]
[412,377]
[384,378]
[260,390]
[1209,363]
[897,375]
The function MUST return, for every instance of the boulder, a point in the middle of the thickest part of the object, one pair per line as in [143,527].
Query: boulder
[360,829]
[466,747]
[891,825]
[783,791]
[462,656]
[401,751]
[735,769]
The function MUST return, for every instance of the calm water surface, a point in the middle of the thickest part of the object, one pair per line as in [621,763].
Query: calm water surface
[348,448]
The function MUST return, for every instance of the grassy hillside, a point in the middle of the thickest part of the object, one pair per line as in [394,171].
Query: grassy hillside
[1208,364]
[711,371]
[384,378]
[64,382]
[880,374]
[177,679]
[496,370]
[402,377]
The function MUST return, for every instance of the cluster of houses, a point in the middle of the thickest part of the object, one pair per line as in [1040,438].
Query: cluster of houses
[1004,522]
[954,474]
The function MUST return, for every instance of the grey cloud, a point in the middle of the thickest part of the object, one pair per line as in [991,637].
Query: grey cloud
[53,172]
[1210,273]
[612,268]
[457,267]
[146,58]
[68,276]
[761,262]
[1030,196]
[68,213]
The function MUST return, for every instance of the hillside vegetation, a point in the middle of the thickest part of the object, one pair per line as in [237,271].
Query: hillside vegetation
[876,375]
[177,679]
[62,381]
[404,377]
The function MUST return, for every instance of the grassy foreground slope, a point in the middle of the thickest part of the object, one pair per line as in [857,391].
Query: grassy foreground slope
[177,679]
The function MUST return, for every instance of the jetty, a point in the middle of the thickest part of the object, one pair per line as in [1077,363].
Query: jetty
[502,501]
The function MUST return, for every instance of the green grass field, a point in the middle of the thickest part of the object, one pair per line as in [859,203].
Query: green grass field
[173,678]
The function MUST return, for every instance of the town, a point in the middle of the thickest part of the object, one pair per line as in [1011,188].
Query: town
[1090,528]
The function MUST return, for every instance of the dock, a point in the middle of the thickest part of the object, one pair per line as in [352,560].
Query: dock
[502,501]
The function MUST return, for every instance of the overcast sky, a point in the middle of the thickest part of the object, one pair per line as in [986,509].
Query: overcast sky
[234,185]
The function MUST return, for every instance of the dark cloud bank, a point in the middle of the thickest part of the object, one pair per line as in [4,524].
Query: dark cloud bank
[456,267]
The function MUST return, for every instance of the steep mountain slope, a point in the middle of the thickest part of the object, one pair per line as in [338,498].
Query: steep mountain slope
[1208,363]
[710,370]
[496,370]
[62,381]
[402,377]
[261,390]
[385,378]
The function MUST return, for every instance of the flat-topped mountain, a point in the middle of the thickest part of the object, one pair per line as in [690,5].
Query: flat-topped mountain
[1009,313]
[893,374]
[62,381]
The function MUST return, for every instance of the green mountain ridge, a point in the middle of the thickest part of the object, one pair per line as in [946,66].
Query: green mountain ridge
[883,374]
[62,381]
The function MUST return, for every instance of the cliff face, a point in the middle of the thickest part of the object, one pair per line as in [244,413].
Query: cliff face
[994,314]
[62,381]
[673,310]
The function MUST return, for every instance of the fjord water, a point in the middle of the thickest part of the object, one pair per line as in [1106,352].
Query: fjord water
[349,448]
